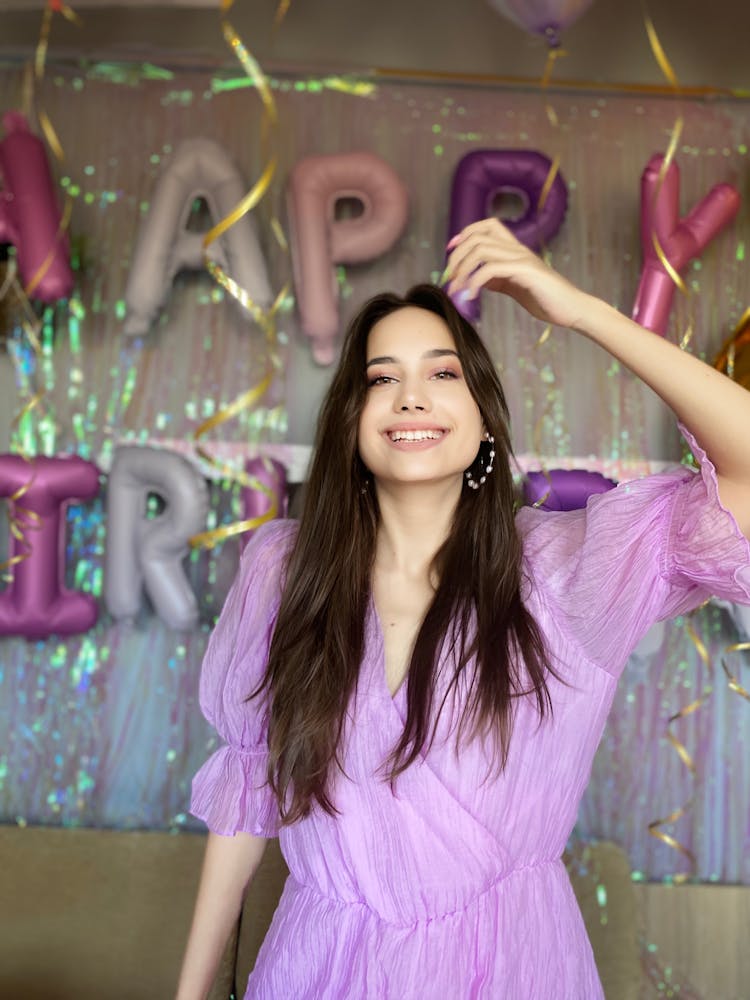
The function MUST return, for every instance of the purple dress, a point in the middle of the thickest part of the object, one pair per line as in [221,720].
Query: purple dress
[453,886]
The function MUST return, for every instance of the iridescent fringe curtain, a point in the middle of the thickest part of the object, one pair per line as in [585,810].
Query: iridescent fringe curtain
[104,729]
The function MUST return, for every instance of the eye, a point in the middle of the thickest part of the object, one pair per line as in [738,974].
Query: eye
[380,380]
[445,373]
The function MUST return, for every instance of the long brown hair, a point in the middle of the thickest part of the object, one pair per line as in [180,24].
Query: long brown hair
[477,609]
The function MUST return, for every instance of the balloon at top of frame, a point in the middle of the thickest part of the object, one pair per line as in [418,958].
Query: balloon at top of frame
[542,17]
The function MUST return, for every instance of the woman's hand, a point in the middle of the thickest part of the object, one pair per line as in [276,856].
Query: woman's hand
[712,406]
[487,255]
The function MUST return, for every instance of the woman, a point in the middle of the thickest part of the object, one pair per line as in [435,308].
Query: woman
[428,676]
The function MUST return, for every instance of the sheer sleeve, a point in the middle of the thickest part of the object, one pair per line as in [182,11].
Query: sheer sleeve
[649,550]
[230,792]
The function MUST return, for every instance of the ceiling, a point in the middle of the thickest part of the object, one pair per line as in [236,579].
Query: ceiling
[705,43]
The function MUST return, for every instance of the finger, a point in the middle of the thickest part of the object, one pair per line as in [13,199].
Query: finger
[465,250]
[480,253]
[488,232]
[491,225]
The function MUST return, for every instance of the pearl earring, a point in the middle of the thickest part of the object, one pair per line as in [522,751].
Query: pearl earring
[486,469]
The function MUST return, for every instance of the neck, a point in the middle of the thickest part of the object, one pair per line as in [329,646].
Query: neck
[415,520]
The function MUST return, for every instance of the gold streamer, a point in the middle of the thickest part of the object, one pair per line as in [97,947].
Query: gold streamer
[671,77]
[685,757]
[553,54]
[48,129]
[734,684]
[22,519]
[265,318]
[734,354]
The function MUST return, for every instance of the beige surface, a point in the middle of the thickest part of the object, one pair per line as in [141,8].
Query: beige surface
[94,914]
[88,914]
[702,932]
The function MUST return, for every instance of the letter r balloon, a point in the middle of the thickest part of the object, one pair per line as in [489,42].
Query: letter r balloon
[485,173]
[319,241]
[147,553]
[36,603]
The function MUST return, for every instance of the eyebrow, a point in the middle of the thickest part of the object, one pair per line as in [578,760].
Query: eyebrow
[437,352]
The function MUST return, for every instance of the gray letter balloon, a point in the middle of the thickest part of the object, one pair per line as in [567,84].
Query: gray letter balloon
[149,552]
[199,168]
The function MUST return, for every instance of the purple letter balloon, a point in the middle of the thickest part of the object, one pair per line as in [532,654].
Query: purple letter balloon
[255,503]
[542,17]
[485,173]
[36,603]
[563,489]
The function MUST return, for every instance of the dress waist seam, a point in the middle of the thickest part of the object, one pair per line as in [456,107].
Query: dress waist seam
[431,917]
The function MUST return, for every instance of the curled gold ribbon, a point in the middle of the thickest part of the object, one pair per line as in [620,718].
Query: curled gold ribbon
[265,318]
[48,129]
[22,519]
[685,757]
[670,76]
[732,353]
[734,684]
[553,55]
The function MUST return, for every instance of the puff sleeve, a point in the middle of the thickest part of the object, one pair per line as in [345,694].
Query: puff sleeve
[230,792]
[649,550]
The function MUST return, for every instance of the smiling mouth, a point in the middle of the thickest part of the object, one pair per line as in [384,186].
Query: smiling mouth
[431,434]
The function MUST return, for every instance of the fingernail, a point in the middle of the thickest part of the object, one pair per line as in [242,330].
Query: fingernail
[443,277]
[453,242]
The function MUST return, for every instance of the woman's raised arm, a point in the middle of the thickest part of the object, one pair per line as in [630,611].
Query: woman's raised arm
[710,405]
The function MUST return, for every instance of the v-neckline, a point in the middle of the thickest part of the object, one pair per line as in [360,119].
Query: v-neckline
[381,677]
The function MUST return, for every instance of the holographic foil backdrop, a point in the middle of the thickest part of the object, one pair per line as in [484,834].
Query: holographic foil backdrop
[103,729]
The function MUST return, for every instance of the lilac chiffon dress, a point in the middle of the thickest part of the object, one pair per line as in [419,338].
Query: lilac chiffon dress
[452,886]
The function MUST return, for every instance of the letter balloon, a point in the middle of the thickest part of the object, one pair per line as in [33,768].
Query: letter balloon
[29,213]
[147,552]
[255,503]
[485,173]
[199,168]
[563,489]
[682,240]
[319,241]
[36,603]
[542,17]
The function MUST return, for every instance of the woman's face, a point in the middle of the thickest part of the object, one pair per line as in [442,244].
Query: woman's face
[419,423]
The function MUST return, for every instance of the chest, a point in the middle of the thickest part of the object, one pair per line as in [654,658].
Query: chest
[401,606]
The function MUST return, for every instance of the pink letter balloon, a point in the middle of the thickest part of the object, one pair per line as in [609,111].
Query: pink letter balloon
[199,168]
[319,242]
[542,17]
[681,239]
[484,173]
[37,604]
[255,503]
[29,215]
[564,489]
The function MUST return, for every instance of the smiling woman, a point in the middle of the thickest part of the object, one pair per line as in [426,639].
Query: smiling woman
[412,683]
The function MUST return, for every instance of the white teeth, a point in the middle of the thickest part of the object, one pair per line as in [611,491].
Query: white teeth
[427,435]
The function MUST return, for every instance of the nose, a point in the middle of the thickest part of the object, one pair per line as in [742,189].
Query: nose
[412,397]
